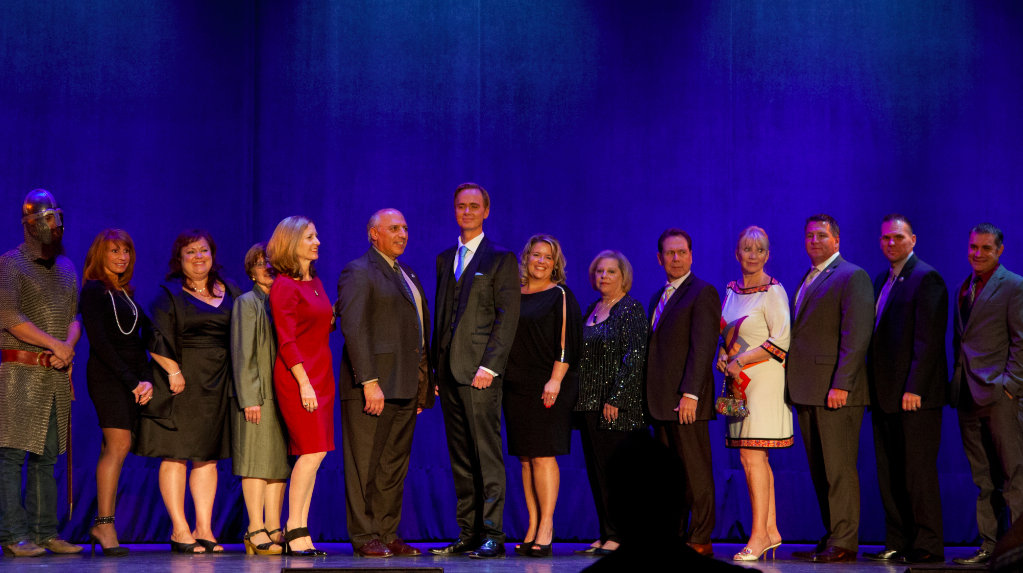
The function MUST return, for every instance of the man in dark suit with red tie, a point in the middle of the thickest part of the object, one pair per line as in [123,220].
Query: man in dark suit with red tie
[384,383]
[685,320]
[826,379]
[987,382]
[475,320]
[908,374]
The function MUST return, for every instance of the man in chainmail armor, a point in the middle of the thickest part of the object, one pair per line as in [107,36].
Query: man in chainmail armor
[38,332]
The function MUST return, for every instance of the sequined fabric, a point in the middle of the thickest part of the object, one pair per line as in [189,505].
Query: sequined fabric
[612,364]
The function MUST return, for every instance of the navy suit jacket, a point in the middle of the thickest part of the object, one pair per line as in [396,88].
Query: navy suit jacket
[907,351]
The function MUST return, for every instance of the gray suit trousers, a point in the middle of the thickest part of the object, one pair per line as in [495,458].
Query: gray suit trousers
[993,440]
[832,439]
[376,450]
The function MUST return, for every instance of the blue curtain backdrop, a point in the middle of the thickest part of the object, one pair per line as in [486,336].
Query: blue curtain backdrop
[600,122]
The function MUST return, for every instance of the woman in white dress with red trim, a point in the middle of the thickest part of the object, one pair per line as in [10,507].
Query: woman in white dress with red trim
[755,339]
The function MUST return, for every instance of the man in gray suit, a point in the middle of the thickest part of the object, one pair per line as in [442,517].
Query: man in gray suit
[475,320]
[385,382]
[832,320]
[987,381]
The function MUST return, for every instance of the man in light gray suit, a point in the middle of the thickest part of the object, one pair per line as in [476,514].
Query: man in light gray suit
[987,381]
[832,321]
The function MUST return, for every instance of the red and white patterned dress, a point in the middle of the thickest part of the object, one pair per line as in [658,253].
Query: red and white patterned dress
[751,317]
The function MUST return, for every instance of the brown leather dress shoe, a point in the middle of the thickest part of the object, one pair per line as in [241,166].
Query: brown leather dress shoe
[705,549]
[834,554]
[402,549]
[58,545]
[23,548]
[374,549]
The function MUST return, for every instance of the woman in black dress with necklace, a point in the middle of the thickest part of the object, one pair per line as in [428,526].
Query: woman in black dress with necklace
[118,370]
[188,418]
[541,384]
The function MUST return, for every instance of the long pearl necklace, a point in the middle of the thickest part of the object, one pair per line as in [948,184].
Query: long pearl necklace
[134,311]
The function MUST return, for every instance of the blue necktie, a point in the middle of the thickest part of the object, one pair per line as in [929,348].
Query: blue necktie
[461,262]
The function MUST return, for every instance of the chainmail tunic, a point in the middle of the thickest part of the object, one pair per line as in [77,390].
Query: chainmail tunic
[48,298]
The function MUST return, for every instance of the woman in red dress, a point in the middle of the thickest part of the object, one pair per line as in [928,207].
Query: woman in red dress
[303,371]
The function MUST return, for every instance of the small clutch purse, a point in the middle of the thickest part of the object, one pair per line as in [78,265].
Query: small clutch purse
[728,404]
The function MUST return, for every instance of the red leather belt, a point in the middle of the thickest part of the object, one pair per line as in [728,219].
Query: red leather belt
[26,357]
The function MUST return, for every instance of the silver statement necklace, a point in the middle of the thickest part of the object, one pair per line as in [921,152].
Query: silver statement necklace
[134,311]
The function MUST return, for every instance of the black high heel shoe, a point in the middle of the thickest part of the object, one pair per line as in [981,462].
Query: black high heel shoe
[523,548]
[537,550]
[115,551]
[210,546]
[298,533]
[177,547]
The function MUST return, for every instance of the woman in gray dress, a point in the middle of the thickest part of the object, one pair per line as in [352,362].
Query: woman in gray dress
[258,444]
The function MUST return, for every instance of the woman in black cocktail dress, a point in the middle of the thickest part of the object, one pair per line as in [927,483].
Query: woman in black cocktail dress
[541,384]
[118,373]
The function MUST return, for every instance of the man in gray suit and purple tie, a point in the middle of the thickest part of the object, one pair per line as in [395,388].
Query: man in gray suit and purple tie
[826,379]
[987,381]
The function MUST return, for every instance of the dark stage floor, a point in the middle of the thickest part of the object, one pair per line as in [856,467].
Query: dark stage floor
[157,559]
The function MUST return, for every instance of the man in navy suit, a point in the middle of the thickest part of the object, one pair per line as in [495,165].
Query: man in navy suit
[987,381]
[908,375]
[825,377]
[685,323]
[385,382]
[475,320]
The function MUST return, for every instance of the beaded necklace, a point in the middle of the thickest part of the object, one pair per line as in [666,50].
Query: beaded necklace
[134,311]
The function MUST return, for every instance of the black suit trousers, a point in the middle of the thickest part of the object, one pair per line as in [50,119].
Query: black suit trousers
[832,439]
[692,444]
[906,447]
[598,447]
[376,455]
[993,440]
[472,424]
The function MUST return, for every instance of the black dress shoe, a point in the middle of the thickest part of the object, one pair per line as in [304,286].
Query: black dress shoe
[921,556]
[488,550]
[980,557]
[457,548]
[885,554]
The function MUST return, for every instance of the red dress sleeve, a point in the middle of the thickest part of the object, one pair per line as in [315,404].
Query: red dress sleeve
[284,300]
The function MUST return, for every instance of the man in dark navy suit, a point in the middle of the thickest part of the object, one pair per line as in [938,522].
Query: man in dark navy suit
[908,375]
[475,320]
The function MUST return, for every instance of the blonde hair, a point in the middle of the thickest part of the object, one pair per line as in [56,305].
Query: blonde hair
[623,265]
[283,244]
[558,272]
[753,235]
